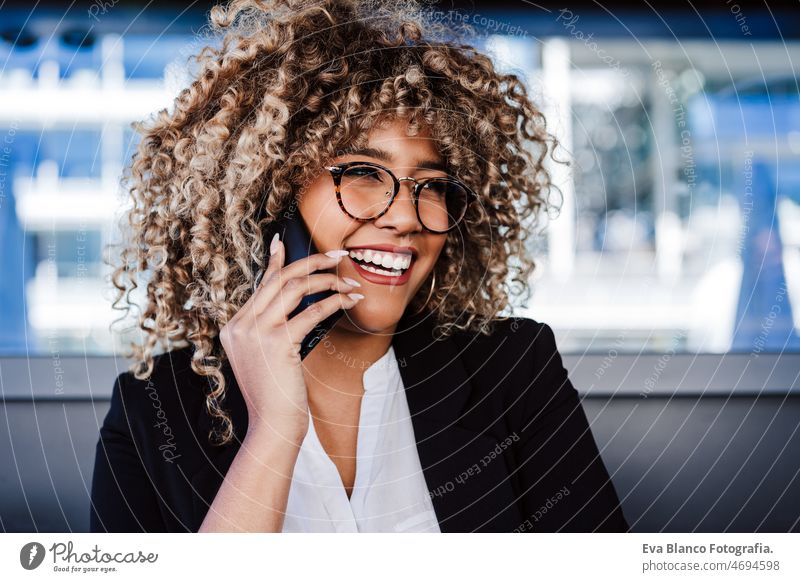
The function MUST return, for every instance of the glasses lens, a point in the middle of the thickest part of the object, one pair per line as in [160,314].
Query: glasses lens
[366,190]
[442,204]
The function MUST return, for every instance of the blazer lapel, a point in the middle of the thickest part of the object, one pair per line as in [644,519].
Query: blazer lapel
[469,491]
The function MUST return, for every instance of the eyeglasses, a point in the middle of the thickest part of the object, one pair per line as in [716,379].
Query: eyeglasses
[366,190]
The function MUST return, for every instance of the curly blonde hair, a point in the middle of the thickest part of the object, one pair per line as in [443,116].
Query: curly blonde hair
[292,83]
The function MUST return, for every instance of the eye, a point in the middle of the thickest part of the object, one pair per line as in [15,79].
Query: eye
[438,187]
[364,172]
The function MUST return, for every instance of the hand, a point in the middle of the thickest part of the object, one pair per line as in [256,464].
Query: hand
[263,344]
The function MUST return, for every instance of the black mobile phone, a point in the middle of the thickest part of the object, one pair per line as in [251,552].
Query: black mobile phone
[298,244]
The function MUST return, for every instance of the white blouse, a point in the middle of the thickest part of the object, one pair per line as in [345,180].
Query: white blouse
[389,493]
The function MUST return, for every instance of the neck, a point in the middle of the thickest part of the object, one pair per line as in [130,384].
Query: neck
[343,356]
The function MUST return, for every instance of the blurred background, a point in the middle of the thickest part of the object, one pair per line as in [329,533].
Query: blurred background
[680,221]
[671,274]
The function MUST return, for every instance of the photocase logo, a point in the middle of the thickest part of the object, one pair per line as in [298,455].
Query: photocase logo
[31,555]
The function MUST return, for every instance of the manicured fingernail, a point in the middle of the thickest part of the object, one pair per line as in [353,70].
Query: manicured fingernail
[355,296]
[338,253]
[350,281]
[273,246]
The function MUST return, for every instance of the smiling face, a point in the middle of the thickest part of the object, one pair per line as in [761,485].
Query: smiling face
[379,249]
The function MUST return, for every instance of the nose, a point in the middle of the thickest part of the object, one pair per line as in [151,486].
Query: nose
[402,214]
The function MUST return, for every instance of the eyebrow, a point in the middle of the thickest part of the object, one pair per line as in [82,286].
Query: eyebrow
[387,158]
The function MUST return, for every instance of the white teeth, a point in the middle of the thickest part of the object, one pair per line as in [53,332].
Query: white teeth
[381,271]
[396,261]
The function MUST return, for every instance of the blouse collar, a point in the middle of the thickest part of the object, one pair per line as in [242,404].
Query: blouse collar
[380,375]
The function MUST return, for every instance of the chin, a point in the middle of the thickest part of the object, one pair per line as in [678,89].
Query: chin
[362,318]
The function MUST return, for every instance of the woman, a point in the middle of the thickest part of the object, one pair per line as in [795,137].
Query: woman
[410,162]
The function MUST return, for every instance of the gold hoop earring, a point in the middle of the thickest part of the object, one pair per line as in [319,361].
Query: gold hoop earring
[433,286]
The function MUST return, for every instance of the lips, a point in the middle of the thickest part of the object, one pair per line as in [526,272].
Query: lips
[383,264]
[381,279]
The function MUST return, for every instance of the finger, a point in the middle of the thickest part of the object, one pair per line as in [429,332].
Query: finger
[299,326]
[293,291]
[277,254]
[274,280]
[276,257]
[273,264]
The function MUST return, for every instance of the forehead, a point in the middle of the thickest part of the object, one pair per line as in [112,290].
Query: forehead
[392,136]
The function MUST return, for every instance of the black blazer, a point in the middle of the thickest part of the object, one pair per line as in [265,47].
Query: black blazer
[502,438]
